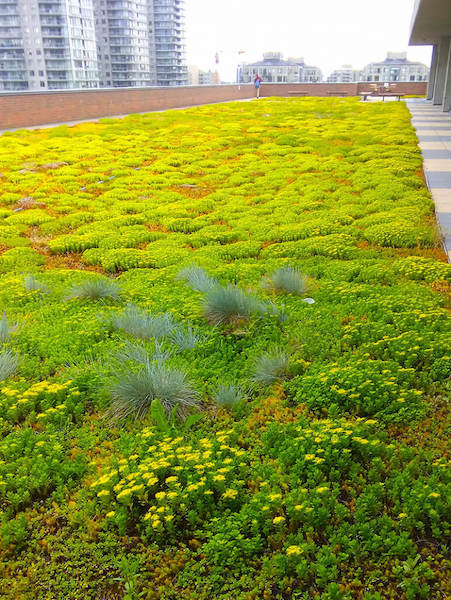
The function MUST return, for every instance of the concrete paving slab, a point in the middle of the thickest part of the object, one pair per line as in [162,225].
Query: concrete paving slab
[438,179]
[440,153]
[434,129]
[438,164]
[435,145]
[434,136]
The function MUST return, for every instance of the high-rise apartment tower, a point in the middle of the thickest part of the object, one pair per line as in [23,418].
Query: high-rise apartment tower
[47,44]
[67,44]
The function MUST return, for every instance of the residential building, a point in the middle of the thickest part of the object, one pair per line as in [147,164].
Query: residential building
[47,44]
[193,75]
[169,42]
[395,67]
[346,74]
[198,77]
[274,69]
[209,78]
[68,44]
[123,44]
[307,73]
[13,70]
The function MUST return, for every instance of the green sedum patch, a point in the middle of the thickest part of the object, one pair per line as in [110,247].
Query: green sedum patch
[224,358]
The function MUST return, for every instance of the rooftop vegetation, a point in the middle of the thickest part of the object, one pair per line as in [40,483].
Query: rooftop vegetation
[224,356]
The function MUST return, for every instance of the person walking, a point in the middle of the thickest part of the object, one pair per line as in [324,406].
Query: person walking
[257,83]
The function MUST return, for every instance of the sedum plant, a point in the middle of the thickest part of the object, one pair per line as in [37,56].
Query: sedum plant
[287,280]
[95,289]
[133,393]
[271,367]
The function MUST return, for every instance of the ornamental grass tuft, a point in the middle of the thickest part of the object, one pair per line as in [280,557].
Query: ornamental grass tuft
[228,394]
[96,289]
[197,279]
[5,329]
[271,367]
[133,393]
[143,325]
[8,364]
[228,305]
[32,284]
[287,280]
[184,339]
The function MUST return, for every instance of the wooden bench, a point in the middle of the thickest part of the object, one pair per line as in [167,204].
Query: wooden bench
[382,95]
[297,93]
[341,94]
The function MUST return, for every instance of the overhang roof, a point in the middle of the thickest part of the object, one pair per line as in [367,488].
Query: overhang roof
[431,20]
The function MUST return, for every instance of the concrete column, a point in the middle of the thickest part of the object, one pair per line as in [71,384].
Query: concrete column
[447,87]
[432,72]
[440,75]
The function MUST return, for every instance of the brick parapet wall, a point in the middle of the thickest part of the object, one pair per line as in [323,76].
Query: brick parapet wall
[27,109]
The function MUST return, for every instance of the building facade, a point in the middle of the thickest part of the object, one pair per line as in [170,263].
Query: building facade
[169,42]
[198,77]
[394,68]
[122,28]
[346,74]
[47,44]
[70,44]
[274,69]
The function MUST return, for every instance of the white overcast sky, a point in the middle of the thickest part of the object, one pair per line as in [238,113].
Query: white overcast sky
[327,33]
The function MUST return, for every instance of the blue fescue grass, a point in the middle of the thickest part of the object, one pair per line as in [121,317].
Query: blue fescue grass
[95,289]
[6,328]
[197,279]
[227,305]
[228,395]
[143,325]
[270,367]
[287,280]
[133,392]
[9,364]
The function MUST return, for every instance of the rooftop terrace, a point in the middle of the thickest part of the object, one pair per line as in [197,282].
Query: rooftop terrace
[224,356]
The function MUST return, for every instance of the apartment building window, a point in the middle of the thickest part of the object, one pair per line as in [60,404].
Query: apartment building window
[32,73]
[42,83]
[41,73]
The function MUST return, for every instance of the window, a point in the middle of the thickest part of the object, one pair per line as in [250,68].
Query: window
[412,78]
[42,83]
[32,73]
[41,73]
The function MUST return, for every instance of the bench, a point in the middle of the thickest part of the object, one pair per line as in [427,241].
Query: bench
[381,95]
[296,93]
[342,94]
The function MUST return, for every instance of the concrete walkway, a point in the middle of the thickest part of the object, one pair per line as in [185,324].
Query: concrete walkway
[433,127]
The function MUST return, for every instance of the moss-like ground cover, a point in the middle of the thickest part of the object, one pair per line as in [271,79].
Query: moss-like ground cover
[318,465]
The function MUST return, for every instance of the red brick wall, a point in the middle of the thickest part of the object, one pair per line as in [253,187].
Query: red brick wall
[310,89]
[332,89]
[25,109]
